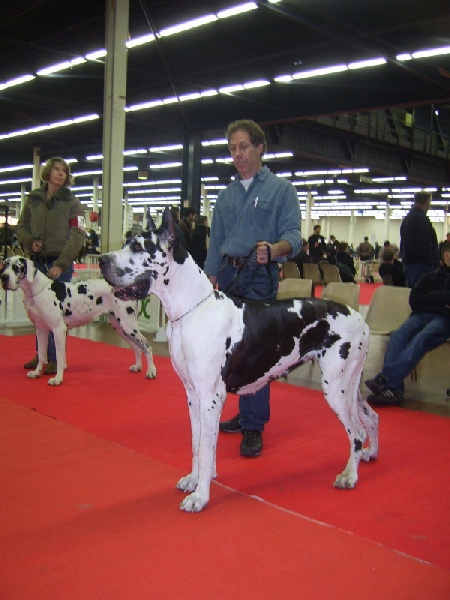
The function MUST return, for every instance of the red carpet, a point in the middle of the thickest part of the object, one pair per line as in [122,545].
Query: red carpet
[401,500]
[86,519]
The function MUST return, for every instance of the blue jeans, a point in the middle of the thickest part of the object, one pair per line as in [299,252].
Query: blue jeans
[253,283]
[43,266]
[419,334]
[413,272]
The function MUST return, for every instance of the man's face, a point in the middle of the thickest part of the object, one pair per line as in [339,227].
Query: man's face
[317,230]
[246,156]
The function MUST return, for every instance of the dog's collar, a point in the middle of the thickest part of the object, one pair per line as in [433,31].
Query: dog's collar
[193,308]
[41,290]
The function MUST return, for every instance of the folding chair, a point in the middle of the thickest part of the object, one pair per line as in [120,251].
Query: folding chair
[345,293]
[294,288]
[290,270]
[330,273]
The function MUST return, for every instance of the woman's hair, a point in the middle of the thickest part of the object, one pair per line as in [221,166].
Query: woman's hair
[255,133]
[45,174]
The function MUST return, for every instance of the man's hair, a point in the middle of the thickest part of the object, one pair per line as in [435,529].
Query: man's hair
[422,197]
[445,248]
[388,254]
[189,211]
[255,133]
[45,174]
[366,239]
[317,227]
[342,247]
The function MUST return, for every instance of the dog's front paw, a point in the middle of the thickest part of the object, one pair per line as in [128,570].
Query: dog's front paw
[151,372]
[135,368]
[55,380]
[34,374]
[188,483]
[369,454]
[345,481]
[193,503]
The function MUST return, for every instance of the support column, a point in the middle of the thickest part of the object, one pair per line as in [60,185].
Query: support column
[36,179]
[117,14]
[23,196]
[95,183]
[387,219]
[309,205]
[351,228]
[191,170]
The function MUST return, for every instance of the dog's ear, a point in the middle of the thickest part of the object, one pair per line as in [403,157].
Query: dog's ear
[151,225]
[167,229]
[29,270]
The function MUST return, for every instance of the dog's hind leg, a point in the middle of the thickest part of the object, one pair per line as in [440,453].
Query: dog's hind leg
[138,343]
[341,392]
[369,419]
[60,345]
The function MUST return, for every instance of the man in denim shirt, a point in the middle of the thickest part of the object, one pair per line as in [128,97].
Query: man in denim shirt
[258,214]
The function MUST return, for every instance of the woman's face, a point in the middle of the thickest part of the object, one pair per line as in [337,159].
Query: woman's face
[58,175]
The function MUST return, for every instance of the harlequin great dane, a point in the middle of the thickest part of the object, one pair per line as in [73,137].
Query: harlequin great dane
[219,345]
[56,306]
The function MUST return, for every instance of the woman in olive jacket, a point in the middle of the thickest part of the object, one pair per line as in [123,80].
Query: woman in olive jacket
[52,229]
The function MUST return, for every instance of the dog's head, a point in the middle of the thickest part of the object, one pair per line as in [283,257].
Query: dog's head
[14,270]
[140,266]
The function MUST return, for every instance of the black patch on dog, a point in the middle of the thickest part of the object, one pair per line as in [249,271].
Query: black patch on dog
[82,289]
[99,300]
[344,350]
[264,341]
[130,310]
[59,288]
[67,313]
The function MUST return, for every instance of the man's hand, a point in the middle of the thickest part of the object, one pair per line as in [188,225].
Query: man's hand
[280,248]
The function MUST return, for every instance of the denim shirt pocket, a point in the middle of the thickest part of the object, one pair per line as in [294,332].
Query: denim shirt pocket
[263,216]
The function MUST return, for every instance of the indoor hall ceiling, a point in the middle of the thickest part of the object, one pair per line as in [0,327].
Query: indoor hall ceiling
[272,40]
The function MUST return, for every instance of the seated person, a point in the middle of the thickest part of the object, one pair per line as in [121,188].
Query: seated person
[393,267]
[345,263]
[302,257]
[427,328]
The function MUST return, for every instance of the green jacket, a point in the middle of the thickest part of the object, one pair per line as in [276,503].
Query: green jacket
[58,222]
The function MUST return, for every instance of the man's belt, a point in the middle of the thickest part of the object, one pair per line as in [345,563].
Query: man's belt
[235,261]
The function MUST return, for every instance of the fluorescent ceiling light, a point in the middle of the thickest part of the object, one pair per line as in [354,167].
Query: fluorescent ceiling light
[143,105]
[139,41]
[431,52]
[18,168]
[67,64]
[372,62]
[231,88]
[96,54]
[188,25]
[49,126]
[318,72]
[237,10]
[256,84]
[16,81]
[168,165]
[166,148]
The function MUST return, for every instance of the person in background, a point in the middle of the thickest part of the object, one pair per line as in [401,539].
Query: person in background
[426,328]
[418,240]
[200,240]
[187,225]
[345,263]
[393,267]
[302,257]
[331,249]
[317,249]
[365,250]
[52,229]
[256,224]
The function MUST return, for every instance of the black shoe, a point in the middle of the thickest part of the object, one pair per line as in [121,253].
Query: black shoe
[377,384]
[51,368]
[231,426]
[387,397]
[31,364]
[251,444]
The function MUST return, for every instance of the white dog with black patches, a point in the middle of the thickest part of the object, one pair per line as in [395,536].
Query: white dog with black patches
[219,344]
[56,306]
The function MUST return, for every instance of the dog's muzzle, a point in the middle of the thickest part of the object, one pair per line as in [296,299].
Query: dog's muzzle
[138,291]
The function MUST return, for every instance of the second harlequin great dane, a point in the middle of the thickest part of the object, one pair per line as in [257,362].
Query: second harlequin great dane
[219,344]
[57,306]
